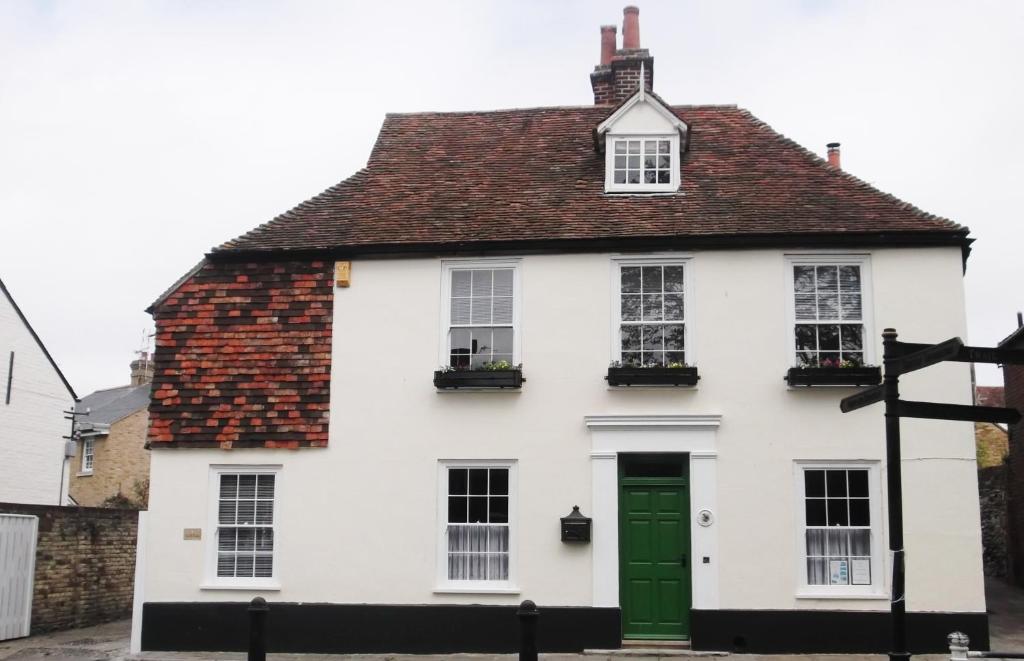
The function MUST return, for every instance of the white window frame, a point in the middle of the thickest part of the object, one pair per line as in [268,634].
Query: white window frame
[449,265]
[88,452]
[879,577]
[443,584]
[210,579]
[867,299]
[655,259]
[609,163]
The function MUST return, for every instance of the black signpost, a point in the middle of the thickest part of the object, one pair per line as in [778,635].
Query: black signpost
[901,358]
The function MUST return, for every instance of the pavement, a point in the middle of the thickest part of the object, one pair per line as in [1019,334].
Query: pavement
[109,642]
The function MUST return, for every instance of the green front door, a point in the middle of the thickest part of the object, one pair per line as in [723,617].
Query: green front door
[654,543]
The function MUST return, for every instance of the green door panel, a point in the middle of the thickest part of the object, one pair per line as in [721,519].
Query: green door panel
[655,590]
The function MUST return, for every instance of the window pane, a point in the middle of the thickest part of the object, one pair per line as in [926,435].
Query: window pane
[461,281]
[835,482]
[850,305]
[460,310]
[225,565]
[246,486]
[673,307]
[478,509]
[264,567]
[620,176]
[246,511]
[265,539]
[246,539]
[806,337]
[633,177]
[630,279]
[815,511]
[265,512]
[816,542]
[457,509]
[664,146]
[852,337]
[858,481]
[664,177]
[633,162]
[652,307]
[860,542]
[630,338]
[228,486]
[652,279]
[664,162]
[634,146]
[503,282]
[675,337]
[503,341]
[498,509]
[499,481]
[654,358]
[806,307]
[837,512]
[482,282]
[631,359]
[502,310]
[651,163]
[650,146]
[860,513]
[677,357]
[631,308]
[814,483]
[265,487]
[803,279]
[226,539]
[828,337]
[480,310]
[653,337]
[620,146]
[673,278]
[478,481]
[458,481]
[650,177]
[816,571]
[226,512]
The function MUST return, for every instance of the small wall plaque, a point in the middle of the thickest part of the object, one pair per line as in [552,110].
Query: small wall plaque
[342,273]
[193,533]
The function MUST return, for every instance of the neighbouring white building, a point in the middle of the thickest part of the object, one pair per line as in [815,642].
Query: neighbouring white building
[33,398]
[375,409]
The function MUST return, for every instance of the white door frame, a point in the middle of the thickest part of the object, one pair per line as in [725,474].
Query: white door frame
[692,434]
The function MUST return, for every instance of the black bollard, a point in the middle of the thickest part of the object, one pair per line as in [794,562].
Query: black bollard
[528,615]
[258,610]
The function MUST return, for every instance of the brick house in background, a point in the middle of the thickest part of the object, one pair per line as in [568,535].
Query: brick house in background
[992,444]
[1013,380]
[375,409]
[111,463]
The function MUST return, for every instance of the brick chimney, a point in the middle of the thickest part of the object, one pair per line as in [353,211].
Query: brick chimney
[833,155]
[142,369]
[617,77]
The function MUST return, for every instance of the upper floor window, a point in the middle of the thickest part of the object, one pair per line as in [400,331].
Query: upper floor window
[88,450]
[651,306]
[642,163]
[481,313]
[829,313]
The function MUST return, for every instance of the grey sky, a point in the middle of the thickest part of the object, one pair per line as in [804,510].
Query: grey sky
[136,135]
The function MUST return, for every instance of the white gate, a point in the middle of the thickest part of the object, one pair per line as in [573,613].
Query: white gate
[17,568]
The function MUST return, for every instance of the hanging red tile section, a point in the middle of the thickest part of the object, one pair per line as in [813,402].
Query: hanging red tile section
[243,357]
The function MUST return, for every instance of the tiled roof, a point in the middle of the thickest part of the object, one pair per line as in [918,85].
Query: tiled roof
[533,175]
[108,406]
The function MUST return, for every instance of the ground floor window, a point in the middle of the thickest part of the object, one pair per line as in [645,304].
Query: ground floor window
[88,448]
[840,520]
[477,532]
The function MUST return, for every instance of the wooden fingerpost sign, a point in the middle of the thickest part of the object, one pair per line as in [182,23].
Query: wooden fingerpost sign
[901,358]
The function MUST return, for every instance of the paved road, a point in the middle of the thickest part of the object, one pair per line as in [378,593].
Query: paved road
[109,642]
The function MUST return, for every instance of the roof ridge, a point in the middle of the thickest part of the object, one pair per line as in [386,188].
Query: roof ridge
[902,204]
[437,113]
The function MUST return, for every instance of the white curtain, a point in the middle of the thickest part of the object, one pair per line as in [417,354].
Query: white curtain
[478,552]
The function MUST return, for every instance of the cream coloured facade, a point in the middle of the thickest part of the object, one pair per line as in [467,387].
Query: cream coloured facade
[367,505]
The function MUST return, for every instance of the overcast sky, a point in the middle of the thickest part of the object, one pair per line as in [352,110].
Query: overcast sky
[134,136]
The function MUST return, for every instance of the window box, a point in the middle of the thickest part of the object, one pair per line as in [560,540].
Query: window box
[652,376]
[497,379]
[834,376]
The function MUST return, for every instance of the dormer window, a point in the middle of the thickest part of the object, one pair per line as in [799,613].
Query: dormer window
[642,163]
[642,141]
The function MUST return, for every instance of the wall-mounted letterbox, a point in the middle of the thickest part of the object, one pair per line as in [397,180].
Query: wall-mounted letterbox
[576,527]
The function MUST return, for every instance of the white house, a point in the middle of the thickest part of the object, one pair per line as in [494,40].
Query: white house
[375,409]
[33,465]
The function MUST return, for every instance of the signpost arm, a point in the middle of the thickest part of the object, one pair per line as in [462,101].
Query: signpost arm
[897,604]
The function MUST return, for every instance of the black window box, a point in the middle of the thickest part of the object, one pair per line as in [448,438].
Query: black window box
[834,376]
[652,376]
[478,379]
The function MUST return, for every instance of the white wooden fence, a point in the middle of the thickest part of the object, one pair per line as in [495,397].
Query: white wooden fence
[17,568]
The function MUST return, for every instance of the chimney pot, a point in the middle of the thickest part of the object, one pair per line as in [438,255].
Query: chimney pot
[833,155]
[1020,320]
[630,27]
[608,33]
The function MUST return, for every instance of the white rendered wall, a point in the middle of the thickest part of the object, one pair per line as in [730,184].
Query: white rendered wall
[32,425]
[357,521]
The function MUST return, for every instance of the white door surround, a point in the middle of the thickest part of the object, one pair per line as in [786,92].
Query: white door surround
[690,434]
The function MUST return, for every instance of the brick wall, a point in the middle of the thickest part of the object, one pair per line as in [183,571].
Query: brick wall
[85,565]
[614,83]
[1013,377]
[992,497]
[243,357]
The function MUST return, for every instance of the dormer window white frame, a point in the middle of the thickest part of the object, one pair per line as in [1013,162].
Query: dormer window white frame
[642,152]
[641,163]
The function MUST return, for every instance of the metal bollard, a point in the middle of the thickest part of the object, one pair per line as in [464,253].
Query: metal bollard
[959,644]
[258,610]
[528,615]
